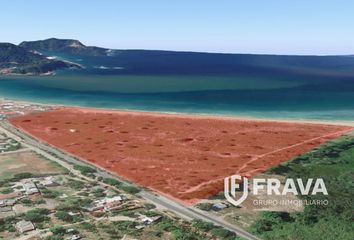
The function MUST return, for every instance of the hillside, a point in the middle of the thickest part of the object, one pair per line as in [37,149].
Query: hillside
[63,46]
[18,60]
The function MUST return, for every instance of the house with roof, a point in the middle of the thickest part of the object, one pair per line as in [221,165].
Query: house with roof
[25,226]
[106,204]
[112,203]
[48,182]
[149,220]
[74,237]
[30,188]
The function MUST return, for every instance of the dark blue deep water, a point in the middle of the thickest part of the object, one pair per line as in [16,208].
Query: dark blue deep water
[257,92]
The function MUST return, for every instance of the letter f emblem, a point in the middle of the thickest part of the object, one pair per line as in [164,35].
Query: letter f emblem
[230,189]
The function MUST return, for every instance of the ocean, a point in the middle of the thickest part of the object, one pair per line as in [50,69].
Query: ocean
[261,94]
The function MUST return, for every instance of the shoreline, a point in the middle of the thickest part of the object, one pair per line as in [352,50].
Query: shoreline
[188,115]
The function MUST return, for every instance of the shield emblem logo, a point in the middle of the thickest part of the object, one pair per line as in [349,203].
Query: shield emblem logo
[231,185]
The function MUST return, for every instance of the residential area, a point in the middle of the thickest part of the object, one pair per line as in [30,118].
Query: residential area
[9,108]
[29,204]
[35,203]
[7,144]
[41,199]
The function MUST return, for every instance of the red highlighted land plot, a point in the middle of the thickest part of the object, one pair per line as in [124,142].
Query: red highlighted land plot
[182,157]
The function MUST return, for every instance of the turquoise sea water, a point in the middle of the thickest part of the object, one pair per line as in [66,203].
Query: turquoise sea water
[263,94]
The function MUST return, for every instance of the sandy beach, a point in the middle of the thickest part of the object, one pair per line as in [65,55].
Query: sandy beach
[185,115]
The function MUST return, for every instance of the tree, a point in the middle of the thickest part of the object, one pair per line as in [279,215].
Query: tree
[204,226]
[112,181]
[37,215]
[64,216]
[130,189]
[20,176]
[84,169]
[58,230]
[223,233]
[6,190]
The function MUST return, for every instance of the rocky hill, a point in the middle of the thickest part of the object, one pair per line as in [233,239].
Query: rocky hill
[18,60]
[64,46]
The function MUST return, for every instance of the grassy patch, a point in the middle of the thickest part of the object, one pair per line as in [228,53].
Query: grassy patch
[27,162]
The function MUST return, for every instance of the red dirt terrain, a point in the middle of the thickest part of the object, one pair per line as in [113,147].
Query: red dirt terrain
[183,157]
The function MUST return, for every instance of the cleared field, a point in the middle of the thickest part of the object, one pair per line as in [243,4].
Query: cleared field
[20,162]
[183,157]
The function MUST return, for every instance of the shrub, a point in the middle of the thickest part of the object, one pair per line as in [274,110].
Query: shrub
[85,169]
[77,185]
[181,234]
[150,206]
[223,233]
[112,182]
[130,189]
[99,193]
[37,215]
[50,194]
[26,202]
[58,230]
[6,190]
[20,176]
[64,216]
[205,206]
[201,225]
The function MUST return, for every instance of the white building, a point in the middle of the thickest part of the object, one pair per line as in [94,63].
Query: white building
[30,188]
[24,226]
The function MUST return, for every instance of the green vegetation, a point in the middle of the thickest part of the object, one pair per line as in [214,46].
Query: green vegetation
[15,59]
[58,233]
[150,213]
[112,182]
[73,204]
[26,202]
[15,167]
[205,206]
[77,185]
[130,189]
[203,226]
[64,216]
[30,203]
[334,162]
[179,232]
[125,187]
[184,234]
[18,177]
[98,192]
[6,190]
[50,194]
[58,230]
[7,224]
[37,215]
[88,226]
[13,146]
[87,171]
[149,206]
[220,233]
[118,229]
[64,46]
[54,237]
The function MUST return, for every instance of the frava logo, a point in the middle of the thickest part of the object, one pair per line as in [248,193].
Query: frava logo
[236,187]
